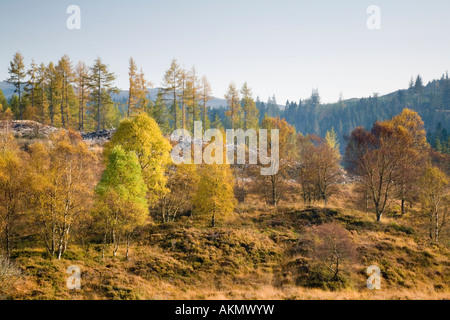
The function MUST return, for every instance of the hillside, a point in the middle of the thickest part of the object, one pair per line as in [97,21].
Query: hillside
[255,254]
[255,251]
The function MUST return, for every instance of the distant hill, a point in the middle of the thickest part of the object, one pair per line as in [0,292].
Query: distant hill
[309,116]
[153,92]
[8,89]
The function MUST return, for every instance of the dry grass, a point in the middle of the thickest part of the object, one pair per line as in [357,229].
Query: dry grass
[254,253]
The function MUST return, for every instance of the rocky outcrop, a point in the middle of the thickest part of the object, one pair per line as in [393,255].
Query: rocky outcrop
[101,136]
[27,129]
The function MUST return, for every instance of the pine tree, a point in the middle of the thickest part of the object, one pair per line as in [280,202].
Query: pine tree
[217,123]
[418,88]
[17,73]
[159,111]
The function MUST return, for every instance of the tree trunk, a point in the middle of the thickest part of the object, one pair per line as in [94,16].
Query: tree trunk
[378,212]
[128,246]
[366,204]
[104,245]
[274,191]
[99,101]
[7,235]
[20,103]
[175,105]
[436,227]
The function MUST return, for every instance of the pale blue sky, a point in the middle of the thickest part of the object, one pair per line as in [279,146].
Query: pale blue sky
[283,47]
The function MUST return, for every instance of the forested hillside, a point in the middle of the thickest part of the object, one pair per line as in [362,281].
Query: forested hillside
[309,116]
[45,97]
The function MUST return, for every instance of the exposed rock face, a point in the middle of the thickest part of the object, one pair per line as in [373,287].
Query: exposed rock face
[100,137]
[27,129]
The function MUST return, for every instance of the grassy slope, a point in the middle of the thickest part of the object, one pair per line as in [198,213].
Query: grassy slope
[254,254]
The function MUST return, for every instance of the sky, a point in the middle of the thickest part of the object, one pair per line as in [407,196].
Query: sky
[282,47]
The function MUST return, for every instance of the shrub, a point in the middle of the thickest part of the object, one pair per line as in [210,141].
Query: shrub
[9,273]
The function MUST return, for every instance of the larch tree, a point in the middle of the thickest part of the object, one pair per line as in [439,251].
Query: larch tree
[250,112]
[83,93]
[193,95]
[42,90]
[17,75]
[31,89]
[182,97]
[234,106]
[142,92]
[137,92]
[52,90]
[101,85]
[205,96]
[122,203]
[332,140]
[132,78]
[170,87]
[65,71]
